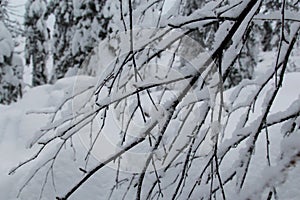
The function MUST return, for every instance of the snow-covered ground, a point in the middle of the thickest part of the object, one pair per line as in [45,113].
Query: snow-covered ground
[17,129]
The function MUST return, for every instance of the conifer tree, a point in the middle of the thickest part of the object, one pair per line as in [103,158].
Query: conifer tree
[37,34]
[11,68]
[63,32]
[78,28]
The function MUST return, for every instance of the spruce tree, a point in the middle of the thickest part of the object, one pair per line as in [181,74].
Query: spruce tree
[11,68]
[78,28]
[13,26]
[63,32]
[36,32]
[91,27]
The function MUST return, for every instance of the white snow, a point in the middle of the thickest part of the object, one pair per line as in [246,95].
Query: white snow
[18,123]
[23,122]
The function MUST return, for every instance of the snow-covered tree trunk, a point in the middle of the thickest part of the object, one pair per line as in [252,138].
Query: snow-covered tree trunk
[36,32]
